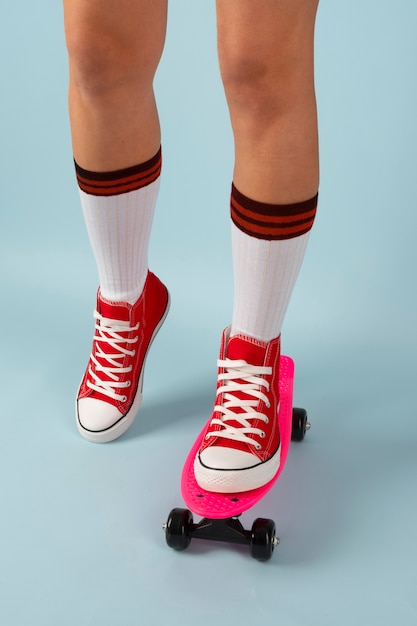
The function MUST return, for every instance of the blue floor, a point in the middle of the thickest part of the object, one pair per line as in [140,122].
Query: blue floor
[80,526]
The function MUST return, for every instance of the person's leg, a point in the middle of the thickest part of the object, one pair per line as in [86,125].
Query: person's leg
[114,49]
[266,52]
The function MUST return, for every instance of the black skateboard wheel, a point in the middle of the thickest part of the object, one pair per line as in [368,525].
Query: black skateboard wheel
[299,424]
[177,529]
[263,539]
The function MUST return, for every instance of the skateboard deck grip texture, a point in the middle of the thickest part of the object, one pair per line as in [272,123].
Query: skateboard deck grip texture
[220,505]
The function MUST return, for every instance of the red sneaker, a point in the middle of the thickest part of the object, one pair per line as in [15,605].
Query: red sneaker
[111,390]
[241,447]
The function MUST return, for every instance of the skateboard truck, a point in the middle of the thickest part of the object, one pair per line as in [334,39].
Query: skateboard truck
[180,529]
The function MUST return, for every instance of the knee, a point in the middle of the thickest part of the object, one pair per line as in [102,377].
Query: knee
[94,64]
[262,86]
[247,83]
[101,62]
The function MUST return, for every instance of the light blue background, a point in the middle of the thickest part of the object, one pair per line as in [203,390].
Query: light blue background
[80,527]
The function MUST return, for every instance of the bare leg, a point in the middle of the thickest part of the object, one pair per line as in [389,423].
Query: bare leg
[267,64]
[114,48]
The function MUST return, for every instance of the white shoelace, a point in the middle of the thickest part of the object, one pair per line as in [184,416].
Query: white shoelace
[240,377]
[109,332]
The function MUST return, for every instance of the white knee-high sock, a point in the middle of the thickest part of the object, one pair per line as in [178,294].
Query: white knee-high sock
[118,209]
[268,246]
[265,273]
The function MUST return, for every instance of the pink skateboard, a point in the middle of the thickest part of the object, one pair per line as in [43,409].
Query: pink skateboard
[220,511]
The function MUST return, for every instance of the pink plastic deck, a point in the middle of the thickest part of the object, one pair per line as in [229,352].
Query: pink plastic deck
[220,505]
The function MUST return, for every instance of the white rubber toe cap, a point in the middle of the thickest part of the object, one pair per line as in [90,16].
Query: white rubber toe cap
[96,416]
[224,470]
[219,458]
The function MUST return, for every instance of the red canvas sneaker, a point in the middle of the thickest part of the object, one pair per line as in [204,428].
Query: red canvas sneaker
[241,446]
[111,390]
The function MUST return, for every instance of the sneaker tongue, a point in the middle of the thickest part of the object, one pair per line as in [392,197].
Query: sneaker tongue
[114,310]
[240,348]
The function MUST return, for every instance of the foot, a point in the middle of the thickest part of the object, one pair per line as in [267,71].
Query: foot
[241,446]
[111,390]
